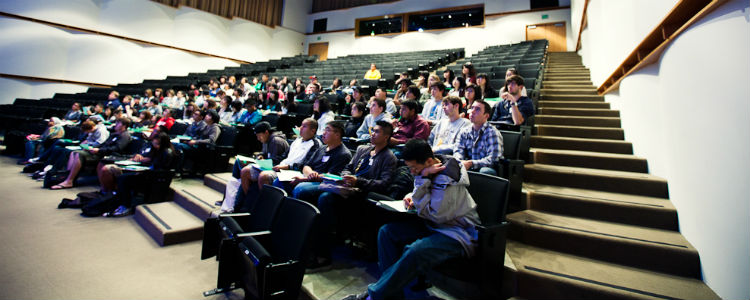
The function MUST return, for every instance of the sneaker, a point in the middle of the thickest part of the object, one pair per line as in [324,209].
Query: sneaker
[33,160]
[120,211]
[361,296]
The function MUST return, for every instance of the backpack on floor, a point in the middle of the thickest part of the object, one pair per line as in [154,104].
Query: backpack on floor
[54,176]
[99,205]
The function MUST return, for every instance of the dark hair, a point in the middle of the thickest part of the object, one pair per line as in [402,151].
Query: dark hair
[124,121]
[214,115]
[452,100]
[337,126]
[237,105]
[337,82]
[165,143]
[146,114]
[472,70]
[461,85]
[410,104]
[477,91]
[387,126]
[153,101]
[451,75]
[512,71]
[381,103]
[250,102]
[360,106]
[487,107]
[323,106]
[515,78]
[415,91]
[417,150]
[439,85]
[87,125]
[482,75]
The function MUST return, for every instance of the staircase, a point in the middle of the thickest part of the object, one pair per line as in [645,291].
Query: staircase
[597,225]
[181,220]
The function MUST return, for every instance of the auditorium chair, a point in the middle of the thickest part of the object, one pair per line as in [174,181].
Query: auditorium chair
[271,264]
[225,227]
[481,274]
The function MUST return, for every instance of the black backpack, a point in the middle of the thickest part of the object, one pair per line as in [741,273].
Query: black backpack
[402,184]
[54,176]
[99,205]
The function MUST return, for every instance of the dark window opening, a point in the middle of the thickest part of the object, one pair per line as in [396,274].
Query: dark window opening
[448,19]
[320,25]
[544,3]
[380,26]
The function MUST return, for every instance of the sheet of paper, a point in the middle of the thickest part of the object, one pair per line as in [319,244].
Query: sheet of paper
[126,163]
[397,205]
[245,159]
[288,175]
[136,168]
[74,148]
[263,164]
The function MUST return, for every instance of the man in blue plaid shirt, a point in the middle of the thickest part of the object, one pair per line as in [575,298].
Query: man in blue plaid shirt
[480,146]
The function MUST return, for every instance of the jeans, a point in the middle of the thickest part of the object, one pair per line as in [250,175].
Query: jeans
[488,171]
[31,148]
[307,191]
[423,250]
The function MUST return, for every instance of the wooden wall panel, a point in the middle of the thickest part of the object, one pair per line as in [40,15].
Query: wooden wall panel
[266,12]
[326,5]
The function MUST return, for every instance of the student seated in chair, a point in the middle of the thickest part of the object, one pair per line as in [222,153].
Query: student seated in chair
[377,114]
[515,108]
[274,147]
[445,135]
[329,159]
[480,145]
[410,125]
[370,170]
[445,228]
[115,143]
[373,73]
[299,151]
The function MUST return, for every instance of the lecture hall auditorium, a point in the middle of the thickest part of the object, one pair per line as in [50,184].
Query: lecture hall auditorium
[379,149]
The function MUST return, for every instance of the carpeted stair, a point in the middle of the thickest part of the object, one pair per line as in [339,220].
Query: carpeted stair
[181,220]
[596,224]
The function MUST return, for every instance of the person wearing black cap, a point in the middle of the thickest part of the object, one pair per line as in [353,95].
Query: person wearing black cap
[274,145]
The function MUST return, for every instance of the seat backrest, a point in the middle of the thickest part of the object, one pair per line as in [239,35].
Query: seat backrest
[511,144]
[178,128]
[227,136]
[490,193]
[265,208]
[291,229]
[135,145]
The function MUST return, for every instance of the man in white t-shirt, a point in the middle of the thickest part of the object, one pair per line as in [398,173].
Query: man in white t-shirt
[444,135]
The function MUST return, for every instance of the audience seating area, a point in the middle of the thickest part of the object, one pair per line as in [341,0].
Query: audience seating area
[181,215]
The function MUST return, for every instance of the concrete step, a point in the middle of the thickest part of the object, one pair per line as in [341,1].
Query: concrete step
[588,159]
[581,144]
[597,179]
[217,181]
[612,122]
[573,104]
[557,97]
[569,91]
[652,249]
[621,208]
[581,131]
[197,198]
[590,112]
[169,223]
[547,274]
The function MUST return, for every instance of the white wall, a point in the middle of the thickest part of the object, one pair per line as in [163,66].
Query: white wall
[38,50]
[692,128]
[497,30]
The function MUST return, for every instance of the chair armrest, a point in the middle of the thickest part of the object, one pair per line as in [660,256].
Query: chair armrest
[234,215]
[254,234]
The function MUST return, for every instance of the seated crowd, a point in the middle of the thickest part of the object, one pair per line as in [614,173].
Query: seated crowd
[338,155]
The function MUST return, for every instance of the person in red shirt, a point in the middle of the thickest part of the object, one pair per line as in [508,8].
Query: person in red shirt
[410,126]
